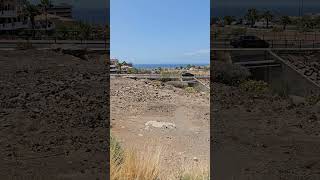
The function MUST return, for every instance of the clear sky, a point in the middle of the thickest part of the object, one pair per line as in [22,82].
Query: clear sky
[160,31]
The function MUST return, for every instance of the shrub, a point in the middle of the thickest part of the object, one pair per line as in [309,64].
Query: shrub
[133,71]
[190,90]
[228,73]
[257,87]
[167,75]
[238,31]
[178,84]
[277,29]
[313,99]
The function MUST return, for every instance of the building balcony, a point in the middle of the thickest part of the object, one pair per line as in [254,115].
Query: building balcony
[8,13]
[14,26]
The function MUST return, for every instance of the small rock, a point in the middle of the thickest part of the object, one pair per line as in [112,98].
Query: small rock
[158,124]
[297,100]
[36,110]
[140,135]
[88,150]
[195,159]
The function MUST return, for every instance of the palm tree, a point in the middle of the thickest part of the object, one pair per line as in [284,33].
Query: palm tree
[252,16]
[119,66]
[30,11]
[45,4]
[267,15]
[285,20]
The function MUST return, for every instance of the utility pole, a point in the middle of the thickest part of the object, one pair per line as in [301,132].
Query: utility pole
[302,4]
[299,14]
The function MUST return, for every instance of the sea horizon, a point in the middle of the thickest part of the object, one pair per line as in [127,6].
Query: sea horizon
[166,65]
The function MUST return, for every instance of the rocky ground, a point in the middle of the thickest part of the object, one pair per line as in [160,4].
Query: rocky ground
[151,113]
[263,136]
[306,63]
[53,110]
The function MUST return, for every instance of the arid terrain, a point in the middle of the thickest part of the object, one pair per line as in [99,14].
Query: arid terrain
[155,114]
[53,111]
[263,136]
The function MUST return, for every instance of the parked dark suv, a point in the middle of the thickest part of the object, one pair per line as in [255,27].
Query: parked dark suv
[187,74]
[249,42]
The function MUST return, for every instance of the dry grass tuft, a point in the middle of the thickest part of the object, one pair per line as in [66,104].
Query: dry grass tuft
[130,165]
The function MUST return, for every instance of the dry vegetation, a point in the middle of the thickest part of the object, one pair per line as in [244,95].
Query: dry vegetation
[128,164]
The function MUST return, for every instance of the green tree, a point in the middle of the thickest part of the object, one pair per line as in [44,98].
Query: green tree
[285,20]
[228,19]
[189,66]
[308,22]
[30,11]
[133,71]
[252,16]
[268,16]
[85,30]
[119,66]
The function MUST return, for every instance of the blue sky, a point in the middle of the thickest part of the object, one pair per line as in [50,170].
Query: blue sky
[160,31]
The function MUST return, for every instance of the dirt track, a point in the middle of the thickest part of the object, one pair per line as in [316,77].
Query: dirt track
[52,114]
[136,102]
[263,137]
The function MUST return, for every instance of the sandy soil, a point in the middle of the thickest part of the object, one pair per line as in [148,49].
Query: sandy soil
[263,136]
[136,102]
[53,109]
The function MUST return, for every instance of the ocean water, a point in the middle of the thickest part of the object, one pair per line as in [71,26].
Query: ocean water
[165,66]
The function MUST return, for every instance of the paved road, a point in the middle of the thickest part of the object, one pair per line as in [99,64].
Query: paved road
[154,76]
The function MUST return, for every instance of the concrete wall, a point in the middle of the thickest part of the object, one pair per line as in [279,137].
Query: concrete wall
[286,80]
[283,79]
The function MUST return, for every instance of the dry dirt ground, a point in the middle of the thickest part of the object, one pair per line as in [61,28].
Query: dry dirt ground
[185,138]
[53,110]
[263,137]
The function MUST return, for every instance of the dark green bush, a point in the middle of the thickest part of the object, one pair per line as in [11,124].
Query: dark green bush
[228,73]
